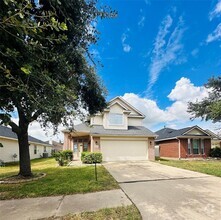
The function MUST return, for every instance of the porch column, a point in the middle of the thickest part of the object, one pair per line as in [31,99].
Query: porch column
[151,149]
[66,141]
[92,144]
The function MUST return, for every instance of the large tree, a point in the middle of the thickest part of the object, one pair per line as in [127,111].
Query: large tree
[210,107]
[45,71]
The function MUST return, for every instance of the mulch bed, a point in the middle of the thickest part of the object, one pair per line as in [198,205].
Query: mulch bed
[21,179]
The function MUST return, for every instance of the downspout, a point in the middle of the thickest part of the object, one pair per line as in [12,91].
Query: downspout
[179,148]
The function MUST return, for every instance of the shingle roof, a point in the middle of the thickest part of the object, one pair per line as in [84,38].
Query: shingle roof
[100,130]
[7,132]
[169,133]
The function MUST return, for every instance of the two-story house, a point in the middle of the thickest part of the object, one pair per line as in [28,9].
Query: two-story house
[117,133]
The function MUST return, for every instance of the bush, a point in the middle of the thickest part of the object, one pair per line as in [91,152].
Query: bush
[68,154]
[90,157]
[63,157]
[215,152]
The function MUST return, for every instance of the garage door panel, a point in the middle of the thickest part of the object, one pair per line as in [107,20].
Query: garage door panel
[124,150]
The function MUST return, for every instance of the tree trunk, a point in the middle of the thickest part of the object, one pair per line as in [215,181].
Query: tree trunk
[24,156]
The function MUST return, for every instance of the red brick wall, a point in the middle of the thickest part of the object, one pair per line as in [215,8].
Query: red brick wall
[207,146]
[183,148]
[169,148]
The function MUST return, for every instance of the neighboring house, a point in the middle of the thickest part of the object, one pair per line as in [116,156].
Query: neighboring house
[117,133]
[56,146]
[215,141]
[10,146]
[183,143]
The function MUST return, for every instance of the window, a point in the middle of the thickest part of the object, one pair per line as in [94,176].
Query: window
[115,119]
[196,145]
[189,146]
[75,147]
[35,149]
[85,146]
[202,147]
[45,149]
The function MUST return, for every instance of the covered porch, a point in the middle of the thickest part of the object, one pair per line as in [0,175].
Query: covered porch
[80,142]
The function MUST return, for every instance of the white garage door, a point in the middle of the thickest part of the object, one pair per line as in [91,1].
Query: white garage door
[119,150]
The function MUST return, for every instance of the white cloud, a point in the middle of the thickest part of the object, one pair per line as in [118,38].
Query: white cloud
[40,133]
[215,35]
[186,91]
[175,115]
[141,21]
[195,52]
[126,47]
[147,2]
[216,12]
[167,48]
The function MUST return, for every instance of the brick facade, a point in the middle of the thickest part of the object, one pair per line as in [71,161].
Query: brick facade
[151,149]
[170,148]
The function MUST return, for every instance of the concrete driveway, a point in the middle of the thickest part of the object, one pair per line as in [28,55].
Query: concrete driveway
[163,192]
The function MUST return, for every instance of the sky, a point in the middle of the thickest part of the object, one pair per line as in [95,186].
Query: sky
[157,55]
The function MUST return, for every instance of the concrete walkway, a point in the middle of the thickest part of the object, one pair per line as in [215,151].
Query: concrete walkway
[43,207]
[163,192]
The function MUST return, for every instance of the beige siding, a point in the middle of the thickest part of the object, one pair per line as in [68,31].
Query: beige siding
[119,110]
[10,147]
[119,149]
[195,131]
[135,122]
[127,107]
[97,120]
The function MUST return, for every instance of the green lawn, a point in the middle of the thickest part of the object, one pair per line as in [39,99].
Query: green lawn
[202,166]
[120,213]
[58,181]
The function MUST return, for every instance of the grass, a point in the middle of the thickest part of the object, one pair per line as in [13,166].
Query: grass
[210,167]
[121,213]
[58,181]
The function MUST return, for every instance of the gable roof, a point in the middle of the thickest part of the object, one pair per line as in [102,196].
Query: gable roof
[126,106]
[169,133]
[212,134]
[8,133]
[100,130]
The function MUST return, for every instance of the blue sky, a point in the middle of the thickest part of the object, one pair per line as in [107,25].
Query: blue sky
[157,54]
[127,46]
[151,45]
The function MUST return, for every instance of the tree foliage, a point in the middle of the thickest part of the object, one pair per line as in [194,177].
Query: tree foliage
[210,107]
[45,73]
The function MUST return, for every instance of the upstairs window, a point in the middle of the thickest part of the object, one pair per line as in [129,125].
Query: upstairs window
[115,119]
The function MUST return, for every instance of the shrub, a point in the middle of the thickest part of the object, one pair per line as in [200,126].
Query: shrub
[90,157]
[63,157]
[68,154]
[215,152]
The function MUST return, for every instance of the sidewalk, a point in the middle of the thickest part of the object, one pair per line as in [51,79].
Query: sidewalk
[43,207]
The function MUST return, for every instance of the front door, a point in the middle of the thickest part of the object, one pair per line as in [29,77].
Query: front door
[75,150]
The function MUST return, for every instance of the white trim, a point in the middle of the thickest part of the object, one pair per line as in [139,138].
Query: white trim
[118,103]
[31,142]
[197,127]
[190,136]
[125,102]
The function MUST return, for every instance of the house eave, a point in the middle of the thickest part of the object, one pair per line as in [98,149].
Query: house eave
[183,137]
[30,142]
